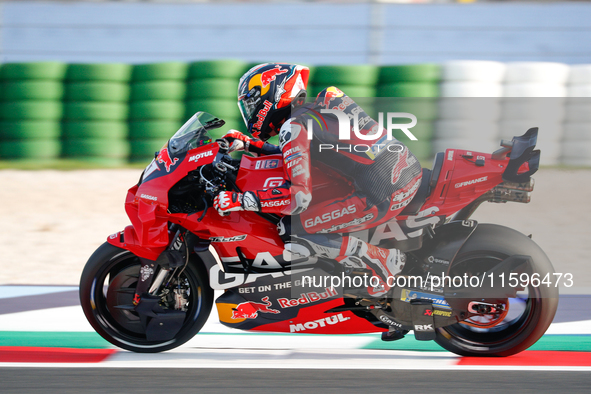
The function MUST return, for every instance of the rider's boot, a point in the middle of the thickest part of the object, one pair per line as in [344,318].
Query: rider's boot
[394,334]
[385,263]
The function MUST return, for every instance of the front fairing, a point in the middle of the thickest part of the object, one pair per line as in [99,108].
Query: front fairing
[147,203]
[192,136]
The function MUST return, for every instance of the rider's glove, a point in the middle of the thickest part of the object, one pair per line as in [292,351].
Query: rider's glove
[237,140]
[240,141]
[226,202]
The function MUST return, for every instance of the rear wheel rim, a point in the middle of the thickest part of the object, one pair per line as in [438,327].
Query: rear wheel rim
[522,310]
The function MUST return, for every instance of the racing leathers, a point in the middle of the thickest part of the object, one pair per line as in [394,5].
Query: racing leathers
[335,185]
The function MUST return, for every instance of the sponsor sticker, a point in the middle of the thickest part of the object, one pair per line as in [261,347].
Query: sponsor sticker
[235,238]
[262,114]
[385,319]
[270,75]
[437,312]
[275,203]
[149,197]
[312,325]
[273,181]
[307,298]
[472,182]
[201,155]
[408,295]
[251,309]
[353,222]
[424,327]
[164,158]
[330,216]
[145,272]
[266,164]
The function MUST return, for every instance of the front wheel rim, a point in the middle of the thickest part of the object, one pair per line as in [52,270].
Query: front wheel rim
[112,320]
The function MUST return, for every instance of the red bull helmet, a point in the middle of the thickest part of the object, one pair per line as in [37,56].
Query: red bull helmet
[267,93]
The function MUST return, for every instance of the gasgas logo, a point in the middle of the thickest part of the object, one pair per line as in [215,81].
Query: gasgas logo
[274,181]
[312,325]
[276,203]
[327,217]
[149,197]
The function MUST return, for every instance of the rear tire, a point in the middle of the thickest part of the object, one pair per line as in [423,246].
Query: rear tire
[109,280]
[488,245]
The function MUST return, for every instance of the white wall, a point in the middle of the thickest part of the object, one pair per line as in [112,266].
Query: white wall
[315,33]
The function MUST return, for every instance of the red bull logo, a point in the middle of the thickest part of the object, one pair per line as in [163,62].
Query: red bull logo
[307,298]
[164,158]
[331,93]
[250,309]
[269,75]
[262,114]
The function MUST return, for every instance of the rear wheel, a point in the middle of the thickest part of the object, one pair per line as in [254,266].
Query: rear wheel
[527,316]
[107,288]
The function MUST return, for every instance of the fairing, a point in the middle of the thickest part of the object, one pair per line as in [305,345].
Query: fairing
[251,267]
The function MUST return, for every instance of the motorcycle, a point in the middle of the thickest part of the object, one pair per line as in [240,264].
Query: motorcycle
[150,287]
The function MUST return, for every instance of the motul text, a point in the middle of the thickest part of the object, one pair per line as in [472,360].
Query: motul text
[312,325]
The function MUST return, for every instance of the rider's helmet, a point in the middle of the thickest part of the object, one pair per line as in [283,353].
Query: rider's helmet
[267,93]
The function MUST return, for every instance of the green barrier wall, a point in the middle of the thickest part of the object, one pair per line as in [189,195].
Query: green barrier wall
[30,110]
[110,114]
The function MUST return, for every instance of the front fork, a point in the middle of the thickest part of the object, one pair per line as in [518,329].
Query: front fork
[146,277]
[171,259]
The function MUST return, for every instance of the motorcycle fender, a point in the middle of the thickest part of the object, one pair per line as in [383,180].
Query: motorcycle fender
[439,252]
[127,240]
[517,264]
[208,260]
[436,257]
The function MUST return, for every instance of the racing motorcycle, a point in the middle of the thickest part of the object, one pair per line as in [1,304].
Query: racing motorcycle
[150,287]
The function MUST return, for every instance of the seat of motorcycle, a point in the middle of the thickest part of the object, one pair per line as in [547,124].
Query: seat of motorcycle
[428,183]
[419,199]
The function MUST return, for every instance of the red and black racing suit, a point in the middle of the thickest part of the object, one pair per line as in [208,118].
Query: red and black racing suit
[383,175]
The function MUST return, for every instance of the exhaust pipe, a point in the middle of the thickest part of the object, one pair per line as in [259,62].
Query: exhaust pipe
[523,186]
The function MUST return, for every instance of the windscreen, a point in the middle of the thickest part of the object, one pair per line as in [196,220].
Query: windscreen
[193,133]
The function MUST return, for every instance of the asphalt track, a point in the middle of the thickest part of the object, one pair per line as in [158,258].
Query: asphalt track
[47,320]
[272,381]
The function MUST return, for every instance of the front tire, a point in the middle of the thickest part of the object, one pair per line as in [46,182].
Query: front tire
[530,313]
[108,284]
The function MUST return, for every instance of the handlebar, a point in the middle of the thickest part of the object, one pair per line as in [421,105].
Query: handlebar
[223,176]
[224,145]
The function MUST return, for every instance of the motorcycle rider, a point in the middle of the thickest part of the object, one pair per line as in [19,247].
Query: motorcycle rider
[271,98]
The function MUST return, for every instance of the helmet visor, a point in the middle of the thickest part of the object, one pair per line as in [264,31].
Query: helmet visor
[247,106]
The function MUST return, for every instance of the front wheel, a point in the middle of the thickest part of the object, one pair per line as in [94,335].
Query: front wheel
[529,314]
[107,288]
